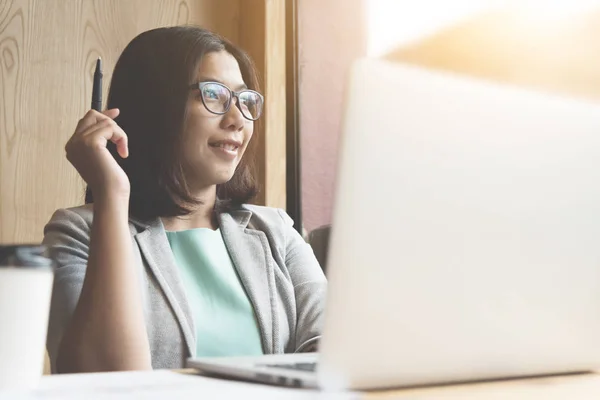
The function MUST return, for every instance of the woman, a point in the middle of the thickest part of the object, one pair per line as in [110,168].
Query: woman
[169,261]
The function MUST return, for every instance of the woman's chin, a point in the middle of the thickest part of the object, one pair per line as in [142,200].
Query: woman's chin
[222,177]
[215,176]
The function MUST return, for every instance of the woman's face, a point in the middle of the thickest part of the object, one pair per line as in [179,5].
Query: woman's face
[213,145]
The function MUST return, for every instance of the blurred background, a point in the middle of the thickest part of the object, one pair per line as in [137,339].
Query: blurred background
[303,49]
[550,45]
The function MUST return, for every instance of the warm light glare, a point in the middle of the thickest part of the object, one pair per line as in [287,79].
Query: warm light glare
[555,8]
[393,23]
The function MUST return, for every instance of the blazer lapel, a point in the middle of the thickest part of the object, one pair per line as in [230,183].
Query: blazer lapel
[248,249]
[156,251]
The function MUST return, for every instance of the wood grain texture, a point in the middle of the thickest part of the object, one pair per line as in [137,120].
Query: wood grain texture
[275,89]
[262,35]
[47,54]
[251,39]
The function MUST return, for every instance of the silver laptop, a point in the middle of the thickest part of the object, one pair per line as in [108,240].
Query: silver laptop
[465,242]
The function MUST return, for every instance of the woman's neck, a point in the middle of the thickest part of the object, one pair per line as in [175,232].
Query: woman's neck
[201,217]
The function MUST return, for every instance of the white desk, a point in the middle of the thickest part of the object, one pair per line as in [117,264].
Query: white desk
[184,384]
[159,385]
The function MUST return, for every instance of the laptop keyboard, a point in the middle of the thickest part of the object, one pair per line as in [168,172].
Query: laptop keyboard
[301,366]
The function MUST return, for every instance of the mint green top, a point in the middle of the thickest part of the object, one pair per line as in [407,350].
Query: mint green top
[223,315]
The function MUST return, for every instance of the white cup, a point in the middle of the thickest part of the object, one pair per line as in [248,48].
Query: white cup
[26,277]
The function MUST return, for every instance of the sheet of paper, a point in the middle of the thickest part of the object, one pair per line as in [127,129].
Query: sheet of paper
[159,385]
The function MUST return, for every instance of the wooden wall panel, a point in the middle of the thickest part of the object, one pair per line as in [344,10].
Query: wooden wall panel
[262,35]
[275,119]
[47,54]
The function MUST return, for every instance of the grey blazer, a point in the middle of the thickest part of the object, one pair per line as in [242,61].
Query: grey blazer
[277,268]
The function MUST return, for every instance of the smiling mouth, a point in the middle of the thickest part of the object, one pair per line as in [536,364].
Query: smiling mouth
[226,146]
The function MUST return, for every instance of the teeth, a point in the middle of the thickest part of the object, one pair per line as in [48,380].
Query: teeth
[227,146]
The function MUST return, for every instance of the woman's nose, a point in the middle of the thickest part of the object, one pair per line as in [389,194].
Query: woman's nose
[233,118]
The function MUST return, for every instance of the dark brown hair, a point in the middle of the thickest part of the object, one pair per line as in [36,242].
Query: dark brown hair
[150,86]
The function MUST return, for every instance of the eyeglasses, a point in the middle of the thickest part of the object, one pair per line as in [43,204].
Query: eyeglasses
[217,99]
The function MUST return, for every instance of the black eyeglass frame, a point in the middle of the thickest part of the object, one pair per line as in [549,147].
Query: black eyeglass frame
[233,94]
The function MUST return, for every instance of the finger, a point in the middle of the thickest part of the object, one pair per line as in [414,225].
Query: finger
[112,113]
[92,117]
[103,120]
[120,139]
[111,131]
[97,126]
[123,146]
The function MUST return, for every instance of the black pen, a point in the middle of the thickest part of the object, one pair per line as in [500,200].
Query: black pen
[97,88]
